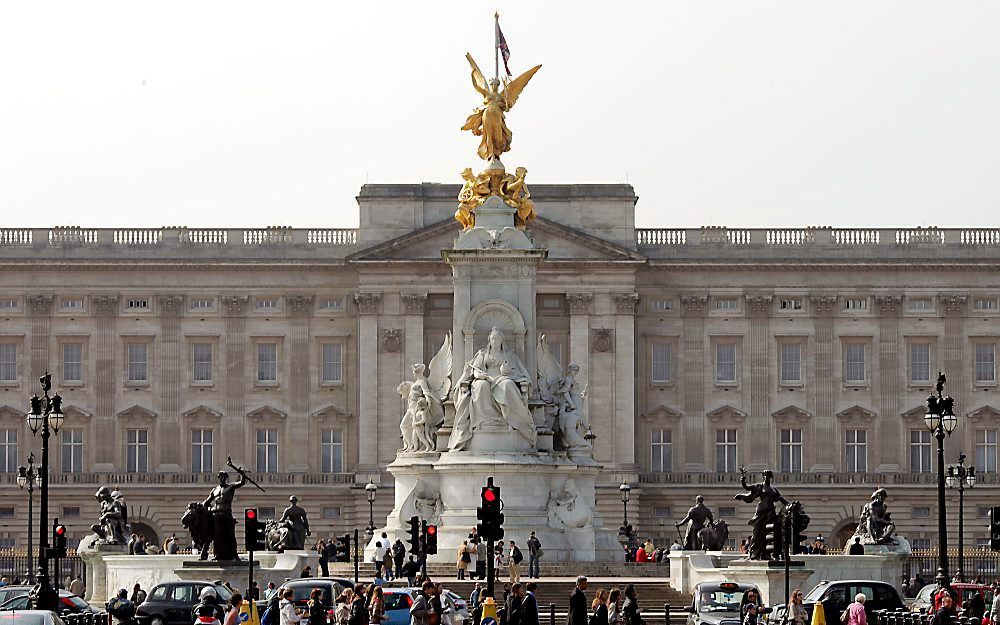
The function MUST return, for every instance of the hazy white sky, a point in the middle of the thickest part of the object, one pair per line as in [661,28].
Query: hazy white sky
[244,113]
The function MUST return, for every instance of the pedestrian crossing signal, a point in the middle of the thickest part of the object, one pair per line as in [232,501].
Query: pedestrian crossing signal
[414,532]
[430,539]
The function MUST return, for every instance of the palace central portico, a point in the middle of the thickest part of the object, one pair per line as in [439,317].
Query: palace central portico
[809,351]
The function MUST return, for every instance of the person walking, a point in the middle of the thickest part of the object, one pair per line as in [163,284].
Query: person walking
[77,587]
[463,559]
[342,610]
[514,558]
[615,607]
[630,611]
[376,608]
[599,608]
[578,603]
[856,612]
[233,609]
[121,610]
[945,615]
[476,596]
[995,607]
[420,609]
[481,555]
[287,614]
[513,605]
[529,605]
[324,557]
[359,611]
[317,611]
[534,554]
[798,613]
[138,595]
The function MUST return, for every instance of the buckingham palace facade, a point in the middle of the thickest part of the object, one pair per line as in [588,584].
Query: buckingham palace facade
[810,351]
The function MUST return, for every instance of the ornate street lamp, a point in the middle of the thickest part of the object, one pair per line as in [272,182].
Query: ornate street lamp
[28,476]
[941,421]
[962,477]
[625,489]
[370,490]
[45,416]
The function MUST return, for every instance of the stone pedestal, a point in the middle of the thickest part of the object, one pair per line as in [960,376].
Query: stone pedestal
[93,553]
[769,578]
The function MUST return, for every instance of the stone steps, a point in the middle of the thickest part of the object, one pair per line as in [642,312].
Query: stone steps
[629,570]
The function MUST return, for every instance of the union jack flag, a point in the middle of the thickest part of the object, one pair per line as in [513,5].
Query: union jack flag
[504,50]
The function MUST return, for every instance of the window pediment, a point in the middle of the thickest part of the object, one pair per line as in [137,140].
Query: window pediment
[137,412]
[661,413]
[75,413]
[986,412]
[267,412]
[917,412]
[201,413]
[726,413]
[792,413]
[857,412]
[331,412]
[10,412]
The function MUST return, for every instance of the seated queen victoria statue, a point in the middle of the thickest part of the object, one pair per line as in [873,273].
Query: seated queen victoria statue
[494,387]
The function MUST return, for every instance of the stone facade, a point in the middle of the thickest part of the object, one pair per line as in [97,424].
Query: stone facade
[807,350]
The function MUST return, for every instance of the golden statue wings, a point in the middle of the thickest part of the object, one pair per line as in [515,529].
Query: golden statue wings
[488,120]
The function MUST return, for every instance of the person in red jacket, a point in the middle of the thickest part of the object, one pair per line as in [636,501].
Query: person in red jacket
[640,555]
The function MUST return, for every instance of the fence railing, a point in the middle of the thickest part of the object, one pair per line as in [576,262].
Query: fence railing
[14,564]
[57,479]
[817,236]
[976,563]
[64,236]
[843,479]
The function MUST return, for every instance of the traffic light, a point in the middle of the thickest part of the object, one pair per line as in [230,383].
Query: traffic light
[995,528]
[772,539]
[414,533]
[58,541]
[799,521]
[343,549]
[254,531]
[489,513]
[430,539]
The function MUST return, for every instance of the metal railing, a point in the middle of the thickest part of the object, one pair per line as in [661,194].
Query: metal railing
[63,236]
[816,236]
[72,479]
[977,563]
[841,479]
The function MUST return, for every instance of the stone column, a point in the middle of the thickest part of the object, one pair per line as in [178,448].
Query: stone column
[889,441]
[691,366]
[824,309]
[235,437]
[173,361]
[368,307]
[40,310]
[760,423]
[103,348]
[298,431]
[624,407]
[413,330]
[954,308]
[579,345]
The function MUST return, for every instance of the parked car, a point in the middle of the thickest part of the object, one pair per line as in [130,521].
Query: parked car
[331,587]
[718,603]
[171,603]
[7,592]
[68,603]
[399,600]
[838,594]
[30,617]
[461,605]
[922,602]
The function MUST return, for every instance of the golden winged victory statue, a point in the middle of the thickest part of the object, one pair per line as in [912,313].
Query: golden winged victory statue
[488,120]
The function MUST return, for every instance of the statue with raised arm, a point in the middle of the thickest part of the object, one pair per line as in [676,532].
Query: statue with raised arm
[697,518]
[488,120]
[766,496]
[219,504]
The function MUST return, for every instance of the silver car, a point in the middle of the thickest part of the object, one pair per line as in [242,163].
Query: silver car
[30,617]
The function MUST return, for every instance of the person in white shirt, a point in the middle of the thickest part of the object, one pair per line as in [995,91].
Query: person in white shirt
[286,609]
[381,546]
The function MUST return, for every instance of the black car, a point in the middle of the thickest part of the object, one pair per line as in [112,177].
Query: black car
[170,603]
[68,603]
[718,603]
[837,595]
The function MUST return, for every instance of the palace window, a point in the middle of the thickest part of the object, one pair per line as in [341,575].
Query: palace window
[332,451]
[791,451]
[138,362]
[791,359]
[790,304]
[920,303]
[8,303]
[726,303]
[202,356]
[920,544]
[266,303]
[725,451]
[660,369]
[920,451]
[854,363]
[202,303]
[856,303]
[333,363]
[332,303]
[141,303]
[72,303]
[72,450]
[921,512]
[267,362]
[986,363]
[920,363]
[201,451]
[267,451]
[985,303]
[661,454]
[725,363]
[857,451]
[661,305]
[72,369]
[8,451]
[986,451]
[8,362]
[331,512]
[137,451]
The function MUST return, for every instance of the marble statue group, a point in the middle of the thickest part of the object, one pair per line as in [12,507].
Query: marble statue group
[112,524]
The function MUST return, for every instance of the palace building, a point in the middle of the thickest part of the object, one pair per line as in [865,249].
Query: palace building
[808,351]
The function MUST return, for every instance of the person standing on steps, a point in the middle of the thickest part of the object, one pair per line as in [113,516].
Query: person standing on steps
[534,553]
[578,603]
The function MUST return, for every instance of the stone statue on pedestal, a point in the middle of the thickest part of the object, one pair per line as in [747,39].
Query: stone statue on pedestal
[112,525]
[295,519]
[766,496]
[697,518]
[215,516]
[424,396]
[875,525]
[564,393]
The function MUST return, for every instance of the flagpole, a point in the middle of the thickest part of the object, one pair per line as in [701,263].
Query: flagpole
[496,45]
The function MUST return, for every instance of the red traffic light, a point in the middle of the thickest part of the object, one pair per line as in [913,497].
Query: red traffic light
[60,530]
[251,513]
[489,494]
[432,529]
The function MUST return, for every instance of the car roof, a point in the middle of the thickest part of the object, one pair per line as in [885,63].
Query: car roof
[853,581]
[739,585]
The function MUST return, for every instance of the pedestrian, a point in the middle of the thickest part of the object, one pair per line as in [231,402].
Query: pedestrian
[640,554]
[977,606]
[599,608]
[513,605]
[306,571]
[378,558]
[387,561]
[420,610]
[437,605]
[649,546]
[856,612]
[944,615]
[578,603]
[750,597]
[359,609]
[498,560]
[77,586]
[138,594]
[140,546]
[615,607]
[342,609]
[120,608]
[744,548]
[398,557]
[132,540]
[254,591]
[630,610]
[464,558]
[514,558]
[476,595]
[269,592]
[481,555]
[173,545]
[324,557]
[233,609]
[209,606]
[529,605]
[316,610]
[410,570]
[534,554]
[288,615]
[856,549]
[798,612]
[750,617]
[4,581]
[270,615]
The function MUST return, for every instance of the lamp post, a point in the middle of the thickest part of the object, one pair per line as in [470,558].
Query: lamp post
[963,477]
[941,421]
[370,490]
[28,476]
[625,489]
[45,415]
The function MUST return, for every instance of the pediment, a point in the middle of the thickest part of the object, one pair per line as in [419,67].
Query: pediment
[201,413]
[857,412]
[726,413]
[267,412]
[137,412]
[331,412]
[75,413]
[917,412]
[986,412]
[563,242]
[660,413]
[10,412]
[791,412]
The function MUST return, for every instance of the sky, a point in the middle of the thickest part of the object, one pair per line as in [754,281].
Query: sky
[763,113]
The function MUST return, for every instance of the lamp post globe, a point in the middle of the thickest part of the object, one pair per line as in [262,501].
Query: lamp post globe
[370,489]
